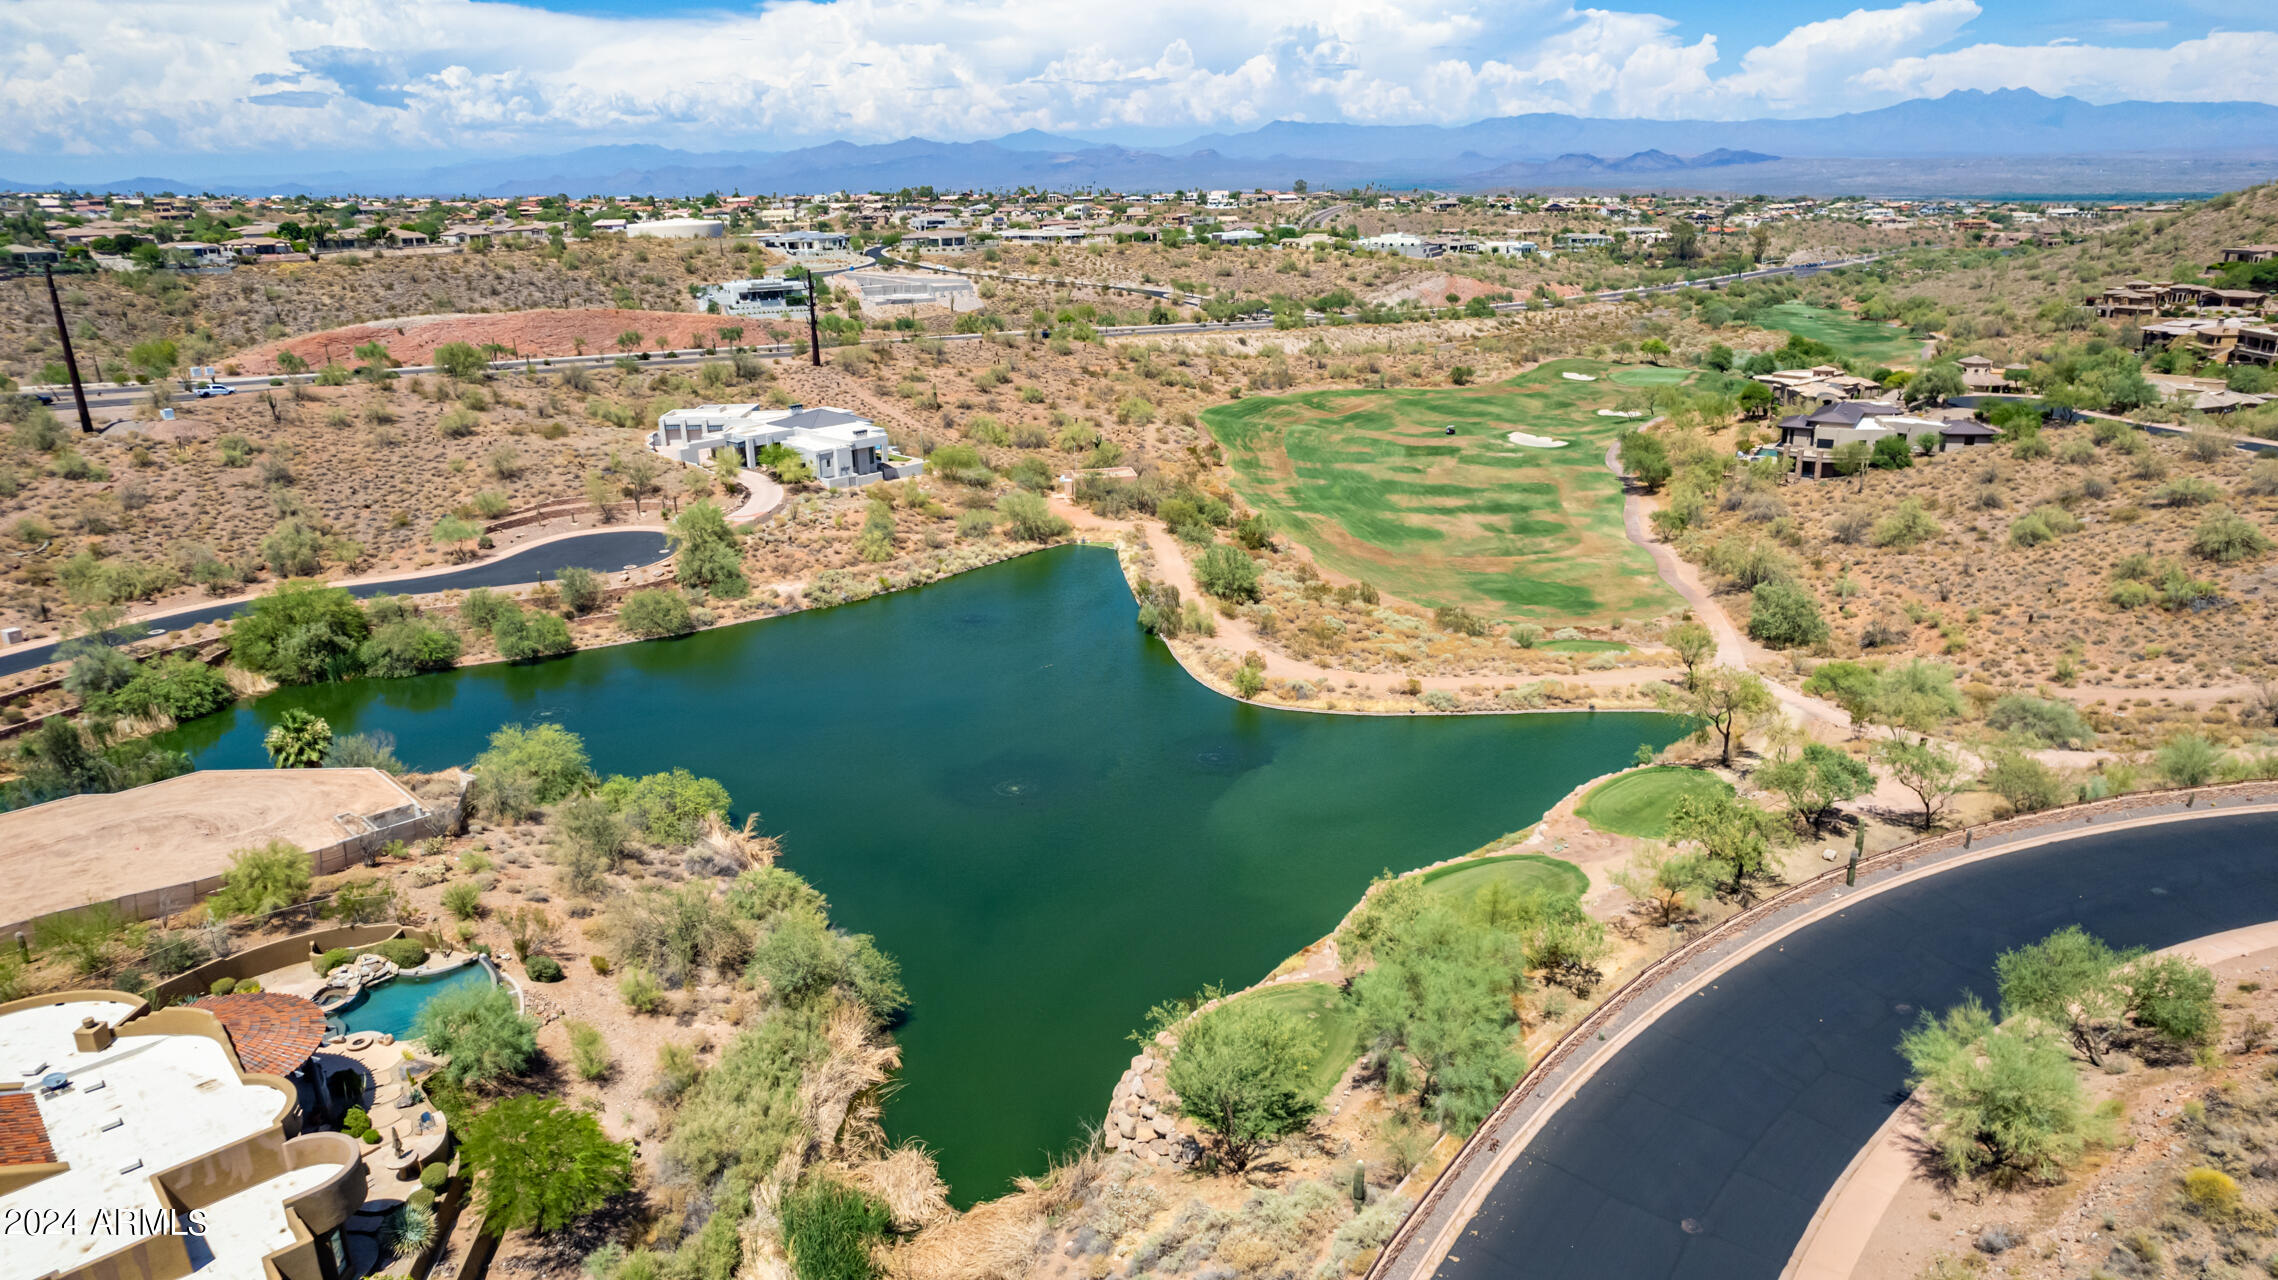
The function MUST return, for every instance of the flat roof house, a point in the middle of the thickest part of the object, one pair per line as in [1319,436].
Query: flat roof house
[765,297]
[802,243]
[169,1141]
[845,449]
[1400,242]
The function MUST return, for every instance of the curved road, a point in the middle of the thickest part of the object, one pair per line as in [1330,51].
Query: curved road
[1703,1147]
[607,551]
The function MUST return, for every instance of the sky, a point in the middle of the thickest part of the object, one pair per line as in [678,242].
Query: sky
[86,89]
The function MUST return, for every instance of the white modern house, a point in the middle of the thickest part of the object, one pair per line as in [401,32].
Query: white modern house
[1400,242]
[766,297]
[845,449]
[801,243]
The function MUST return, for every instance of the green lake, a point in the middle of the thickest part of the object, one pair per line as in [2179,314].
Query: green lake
[1025,799]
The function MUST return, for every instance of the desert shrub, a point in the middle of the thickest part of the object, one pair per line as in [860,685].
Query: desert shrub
[543,969]
[803,959]
[2187,491]
[329,961]
[404,953]
[640,991]
[2211,1193]
[1226,573]
[2227,538]
[581,589]
[666,808]
[1785,615]
[1908,525]
[1027,517]
[654,612]
[261,880]
[481,1032]
[2048,722]
[525,768]
[2000,1100]
[2188,760]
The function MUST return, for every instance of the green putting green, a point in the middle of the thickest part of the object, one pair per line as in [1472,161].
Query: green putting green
[1638,804]
[1584,646]
[1376,486]
[1526,872]
[1649,375]
[1852,338]
[1332,1018]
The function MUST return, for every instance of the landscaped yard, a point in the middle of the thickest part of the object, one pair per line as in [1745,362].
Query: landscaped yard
[1332,1018]
[1638,804]
[1524,872]
[1374,485]
[1852,338]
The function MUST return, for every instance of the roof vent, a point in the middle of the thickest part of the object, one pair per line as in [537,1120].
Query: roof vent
[55,1080]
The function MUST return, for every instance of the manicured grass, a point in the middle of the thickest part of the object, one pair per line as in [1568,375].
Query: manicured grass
[1583,646]
[1525,872]
[1373,485]
[1638,804]
[1332,1018]
[1851,337]
[1650,375]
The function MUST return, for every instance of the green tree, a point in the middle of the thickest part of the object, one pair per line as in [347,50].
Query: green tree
[1935,385]
[1440,994]
[1029,517]
[2025,783]
[525,768]
[1226,573]
[523,635]
[1646,459]
[654,612]
[2047,722]
[1785,615]
[460,361]
[1734,836]
[582,589]
[1934,774]
[1815,780]
[1851,685]
[539,1165]
[668,809]
[1694,643]
[709,554]
[1998,1100]
[2188,760]
[1917,695]
[261,880]
[1242,1072]
[479,1032]
[300,633]
[2173,997]
[589,837]
[298,740]
[455,537]
[409,647]
[876,544]
[1719,699]
[2070,981]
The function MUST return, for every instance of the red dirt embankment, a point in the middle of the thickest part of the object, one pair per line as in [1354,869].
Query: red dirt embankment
[537,333]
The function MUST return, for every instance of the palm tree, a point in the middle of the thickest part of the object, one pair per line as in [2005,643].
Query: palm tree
[299,740]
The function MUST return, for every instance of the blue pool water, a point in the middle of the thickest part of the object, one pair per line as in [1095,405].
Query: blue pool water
[393,1006]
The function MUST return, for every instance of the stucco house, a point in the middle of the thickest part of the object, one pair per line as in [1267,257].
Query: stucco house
[845,449]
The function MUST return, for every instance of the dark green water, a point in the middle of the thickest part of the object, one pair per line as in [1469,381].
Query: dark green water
[1024,798]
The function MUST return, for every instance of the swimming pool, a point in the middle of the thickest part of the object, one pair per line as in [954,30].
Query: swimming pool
[392,1007]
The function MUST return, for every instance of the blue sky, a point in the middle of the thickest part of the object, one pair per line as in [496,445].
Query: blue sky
[330,81]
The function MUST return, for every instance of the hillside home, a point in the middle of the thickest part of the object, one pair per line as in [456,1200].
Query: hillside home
[2257,344]
[801,244]
[765,297]
[1984,377]
[2251,253]
[1584,240]
[1400,242]
[170,1141]
[1809,440]
[845,449]
[1819,385]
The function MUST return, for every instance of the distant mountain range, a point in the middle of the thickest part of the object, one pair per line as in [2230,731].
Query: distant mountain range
[2005,142]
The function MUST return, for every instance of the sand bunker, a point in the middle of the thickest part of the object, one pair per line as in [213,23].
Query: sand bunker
[1525,440]
[1579,377]
[1621,413]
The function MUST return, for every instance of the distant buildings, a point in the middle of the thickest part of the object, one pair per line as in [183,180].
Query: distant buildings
[680,229]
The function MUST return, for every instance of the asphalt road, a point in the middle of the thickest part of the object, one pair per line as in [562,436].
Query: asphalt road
[1703,1148]
[607,551]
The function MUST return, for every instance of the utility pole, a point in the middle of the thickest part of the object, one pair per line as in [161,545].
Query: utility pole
[814,327]
[70,362]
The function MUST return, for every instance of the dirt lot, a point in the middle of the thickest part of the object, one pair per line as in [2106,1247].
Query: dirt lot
[89,848]
[545,332]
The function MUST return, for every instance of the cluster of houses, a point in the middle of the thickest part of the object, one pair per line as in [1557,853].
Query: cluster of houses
[2225,326]
[1829,408]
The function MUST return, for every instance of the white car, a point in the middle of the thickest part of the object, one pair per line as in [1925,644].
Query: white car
[215,389]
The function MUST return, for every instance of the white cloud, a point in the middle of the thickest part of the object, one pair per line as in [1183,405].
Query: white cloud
[2222,67]
[405,75]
